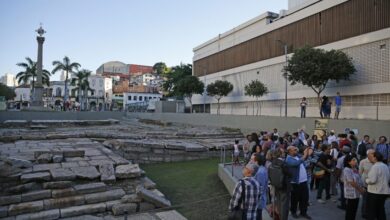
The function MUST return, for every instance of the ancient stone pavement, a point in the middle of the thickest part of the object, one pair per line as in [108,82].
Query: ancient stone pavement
[61,169]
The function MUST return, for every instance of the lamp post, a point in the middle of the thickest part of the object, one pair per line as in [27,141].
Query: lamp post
[285,75]
[204,92]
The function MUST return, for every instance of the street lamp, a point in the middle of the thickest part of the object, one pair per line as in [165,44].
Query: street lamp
[285,75]
[204,92]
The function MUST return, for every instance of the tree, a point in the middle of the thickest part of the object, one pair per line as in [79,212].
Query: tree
[7,92]
[173,76]
[218,90]
[67,67]
[81,84]
[160,68]
[188,86]
[315,67]
[30,73]
[256,89]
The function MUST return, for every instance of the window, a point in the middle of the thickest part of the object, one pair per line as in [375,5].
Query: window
[145,98]
[129,98]
[135,98]
[58,92]
[150,97]
[140,98]
[92,93]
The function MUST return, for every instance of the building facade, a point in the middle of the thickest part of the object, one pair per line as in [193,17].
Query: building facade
[254,50]
[9,80]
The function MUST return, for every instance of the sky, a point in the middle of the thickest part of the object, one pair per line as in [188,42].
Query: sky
[92,32]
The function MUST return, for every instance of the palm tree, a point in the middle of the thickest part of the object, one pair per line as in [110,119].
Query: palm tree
[30,73]
[67,67]
[82,86]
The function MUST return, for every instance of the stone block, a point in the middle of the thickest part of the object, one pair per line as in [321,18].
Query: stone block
[45,158]
[118,160]
[39,177]
[76,159]
[148,183]
[132,198]
[92,152]
[73,153]
[100,157]
[57,193]
[109,204]
[145,206]
[63,202]
[23,188]
[3,211]
[90,188]
[62,174]
[127,171]
[151,197]
[120,209]
[96,163]
[84,217]
[83,163]
[58,158]
[36,195]
[82,210]
[104,196]
[107,173]
[47,215]
[69,164]
[86,172]
[46,167]
[25,207]
[19,163]
[57,185]
[170,215]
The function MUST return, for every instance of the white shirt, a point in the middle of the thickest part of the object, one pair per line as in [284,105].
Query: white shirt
[332,138]
[378,179]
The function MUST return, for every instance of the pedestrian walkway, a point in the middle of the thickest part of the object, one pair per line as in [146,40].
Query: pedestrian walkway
[316,210]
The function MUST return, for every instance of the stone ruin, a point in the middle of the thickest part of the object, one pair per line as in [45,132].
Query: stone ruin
[52,171]
[70,178]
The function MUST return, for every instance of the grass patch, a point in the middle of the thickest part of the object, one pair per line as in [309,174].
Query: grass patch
[193,187]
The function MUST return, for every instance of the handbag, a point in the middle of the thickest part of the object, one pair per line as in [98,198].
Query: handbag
[318,172]
[237,213]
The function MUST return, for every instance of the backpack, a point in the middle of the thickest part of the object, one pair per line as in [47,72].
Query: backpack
[362,151]
[277,174]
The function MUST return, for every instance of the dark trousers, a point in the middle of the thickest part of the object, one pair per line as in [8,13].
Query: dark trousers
[352,206]
[303,111]
[342,198]
[259,214]
[299,195]
[324,184]
[364,205]
[282,200]
[376,206]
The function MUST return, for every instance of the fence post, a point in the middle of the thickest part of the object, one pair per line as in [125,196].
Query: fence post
[377,111]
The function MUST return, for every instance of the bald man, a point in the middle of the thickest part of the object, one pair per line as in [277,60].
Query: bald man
[251,195]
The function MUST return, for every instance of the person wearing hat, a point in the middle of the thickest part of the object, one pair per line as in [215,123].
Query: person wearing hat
[339,171]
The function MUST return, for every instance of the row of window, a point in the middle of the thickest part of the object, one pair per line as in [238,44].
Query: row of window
[145,98]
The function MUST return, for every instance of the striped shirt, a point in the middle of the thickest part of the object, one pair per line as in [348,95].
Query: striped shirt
[252,195]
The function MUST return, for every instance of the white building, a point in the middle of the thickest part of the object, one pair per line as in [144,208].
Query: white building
[23,94]
[9,80]
[102,91]
[134,98]
[254,50]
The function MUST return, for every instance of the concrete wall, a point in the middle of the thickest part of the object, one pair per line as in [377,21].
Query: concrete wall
[24,115]
[249,124]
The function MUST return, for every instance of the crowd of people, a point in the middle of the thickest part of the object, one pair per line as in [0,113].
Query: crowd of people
[280,172]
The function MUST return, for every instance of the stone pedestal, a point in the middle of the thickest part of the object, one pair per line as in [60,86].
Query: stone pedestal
[37,97]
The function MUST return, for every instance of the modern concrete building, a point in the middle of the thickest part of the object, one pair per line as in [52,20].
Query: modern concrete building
[9,80]
[255,50]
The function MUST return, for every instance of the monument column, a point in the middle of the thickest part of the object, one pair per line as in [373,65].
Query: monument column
[38,89]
